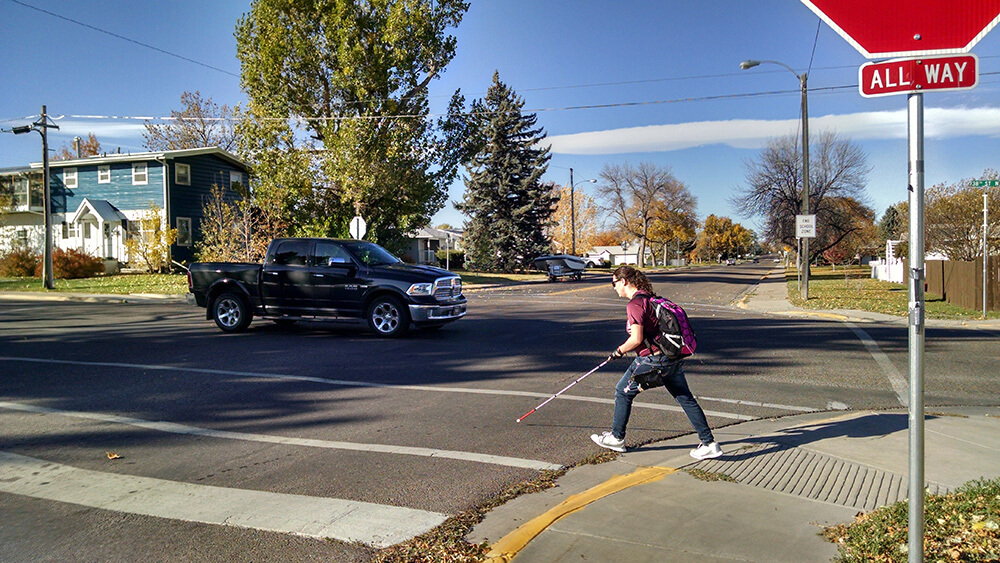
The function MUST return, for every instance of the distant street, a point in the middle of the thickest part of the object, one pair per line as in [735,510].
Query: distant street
[253,446]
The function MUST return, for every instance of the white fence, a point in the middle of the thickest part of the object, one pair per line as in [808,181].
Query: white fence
[890,270]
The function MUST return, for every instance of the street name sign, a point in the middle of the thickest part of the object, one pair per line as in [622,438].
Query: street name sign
[905,28]
[986,184]
[358,228]
[805,226]
[907,76]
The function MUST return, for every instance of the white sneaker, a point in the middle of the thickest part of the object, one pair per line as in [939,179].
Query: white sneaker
[707,451]
[607,440]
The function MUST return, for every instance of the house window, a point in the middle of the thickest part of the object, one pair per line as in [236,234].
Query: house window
[183,231]
[70,230]
[235,178]
[104,174]
[21,194]
[182,174]
[140,176]
[69,178]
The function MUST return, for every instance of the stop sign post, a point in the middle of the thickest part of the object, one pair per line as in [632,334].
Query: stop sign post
[911,28]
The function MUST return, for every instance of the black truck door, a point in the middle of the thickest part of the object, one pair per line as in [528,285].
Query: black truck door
[286,285]
[336,272]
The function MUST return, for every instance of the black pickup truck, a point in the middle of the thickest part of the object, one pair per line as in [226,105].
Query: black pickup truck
[317,278]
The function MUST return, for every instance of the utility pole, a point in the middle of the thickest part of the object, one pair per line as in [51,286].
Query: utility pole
[805,183]
[572,211]
[42,126]
[47,267]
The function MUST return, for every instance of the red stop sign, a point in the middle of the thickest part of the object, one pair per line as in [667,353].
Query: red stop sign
[903,28]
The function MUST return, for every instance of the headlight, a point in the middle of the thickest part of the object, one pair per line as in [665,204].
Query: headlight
[420,289]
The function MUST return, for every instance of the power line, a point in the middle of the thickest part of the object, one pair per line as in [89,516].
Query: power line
[123,38]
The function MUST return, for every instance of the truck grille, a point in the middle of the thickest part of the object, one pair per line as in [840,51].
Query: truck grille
[448,288]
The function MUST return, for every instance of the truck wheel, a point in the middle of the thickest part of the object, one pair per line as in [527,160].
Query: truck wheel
[388,317]
[231,312]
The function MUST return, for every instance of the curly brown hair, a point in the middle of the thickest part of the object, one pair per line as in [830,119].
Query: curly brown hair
[634,277]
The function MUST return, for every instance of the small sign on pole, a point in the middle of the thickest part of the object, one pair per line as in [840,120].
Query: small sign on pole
[985,184]
[358,227]
[805,226]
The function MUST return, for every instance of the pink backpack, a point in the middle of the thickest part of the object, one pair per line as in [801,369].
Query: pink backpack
[676,338]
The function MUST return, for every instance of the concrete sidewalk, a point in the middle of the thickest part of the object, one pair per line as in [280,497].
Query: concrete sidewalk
[783,480]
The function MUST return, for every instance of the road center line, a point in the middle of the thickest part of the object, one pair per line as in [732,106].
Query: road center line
[174,428]
[373,524]
[343,383]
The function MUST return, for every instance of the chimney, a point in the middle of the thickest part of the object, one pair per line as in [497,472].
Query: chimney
[76,147]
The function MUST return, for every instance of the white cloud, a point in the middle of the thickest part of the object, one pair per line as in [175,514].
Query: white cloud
[939,123]
[102,129]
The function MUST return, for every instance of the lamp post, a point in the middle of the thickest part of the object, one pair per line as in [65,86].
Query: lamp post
[572,206]
[804,286]
[42,126]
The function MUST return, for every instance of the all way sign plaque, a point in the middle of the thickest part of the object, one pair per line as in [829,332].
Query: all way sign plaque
[913,75]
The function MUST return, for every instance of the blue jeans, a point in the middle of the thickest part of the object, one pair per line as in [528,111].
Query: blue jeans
[676,384]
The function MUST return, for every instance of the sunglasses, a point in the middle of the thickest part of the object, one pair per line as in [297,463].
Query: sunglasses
[614,282]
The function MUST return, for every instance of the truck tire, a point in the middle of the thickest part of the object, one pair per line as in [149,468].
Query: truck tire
[388,317]
[231,312]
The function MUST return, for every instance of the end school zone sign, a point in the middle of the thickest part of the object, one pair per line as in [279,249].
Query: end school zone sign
[918,74]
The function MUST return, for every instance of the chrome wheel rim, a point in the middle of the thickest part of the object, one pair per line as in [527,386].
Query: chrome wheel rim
[228,312]
[385,317]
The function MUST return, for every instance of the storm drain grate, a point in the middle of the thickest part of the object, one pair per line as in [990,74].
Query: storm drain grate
[786,469]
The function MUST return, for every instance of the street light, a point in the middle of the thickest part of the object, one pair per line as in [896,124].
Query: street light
[572,206]
[42,126]
[805,164]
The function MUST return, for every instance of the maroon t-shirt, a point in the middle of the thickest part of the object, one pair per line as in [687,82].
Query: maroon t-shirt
[640,310]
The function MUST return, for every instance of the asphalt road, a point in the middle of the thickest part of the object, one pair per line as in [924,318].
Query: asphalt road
[251,447]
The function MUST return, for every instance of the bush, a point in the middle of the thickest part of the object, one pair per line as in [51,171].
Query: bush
[73,264]
[19,263]
[454,258]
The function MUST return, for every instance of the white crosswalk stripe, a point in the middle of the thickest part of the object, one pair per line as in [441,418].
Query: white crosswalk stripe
[350,521]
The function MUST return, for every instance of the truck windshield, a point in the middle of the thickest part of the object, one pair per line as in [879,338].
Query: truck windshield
[370,254]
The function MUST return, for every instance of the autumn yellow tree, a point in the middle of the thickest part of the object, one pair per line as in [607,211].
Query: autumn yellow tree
[148,242]
[672,228]
[587,221]
[720,237]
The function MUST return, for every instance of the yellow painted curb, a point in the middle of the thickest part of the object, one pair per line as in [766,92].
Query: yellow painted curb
[833,316]
[508,546]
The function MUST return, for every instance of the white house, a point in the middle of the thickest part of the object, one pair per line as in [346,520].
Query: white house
[425,243]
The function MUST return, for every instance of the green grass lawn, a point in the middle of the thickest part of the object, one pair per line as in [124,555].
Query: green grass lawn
[119,284]
[853,288]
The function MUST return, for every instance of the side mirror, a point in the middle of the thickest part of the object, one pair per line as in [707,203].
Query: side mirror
[338,261]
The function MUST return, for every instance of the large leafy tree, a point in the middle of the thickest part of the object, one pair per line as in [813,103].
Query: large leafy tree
[838,173]
[587,221]
[202,123]
[721,238]
[953,219]
[647,202]
[349,79]
[509,209]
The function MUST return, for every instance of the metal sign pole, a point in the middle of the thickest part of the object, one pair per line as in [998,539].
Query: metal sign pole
[915,125]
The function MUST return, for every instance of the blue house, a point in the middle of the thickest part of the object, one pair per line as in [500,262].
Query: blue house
[96,200]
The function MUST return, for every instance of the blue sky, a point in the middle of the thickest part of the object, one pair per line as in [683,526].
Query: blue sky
[665,75]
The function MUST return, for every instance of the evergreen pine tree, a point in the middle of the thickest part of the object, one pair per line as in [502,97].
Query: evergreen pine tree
[508,207]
